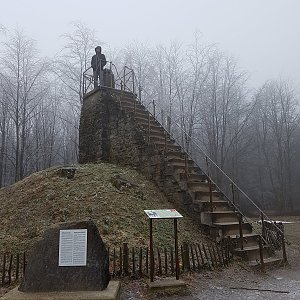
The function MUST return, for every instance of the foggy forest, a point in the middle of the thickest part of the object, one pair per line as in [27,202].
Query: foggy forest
[253,134]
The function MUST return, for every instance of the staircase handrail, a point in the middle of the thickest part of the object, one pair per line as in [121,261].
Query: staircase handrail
[131,75]
[219,168]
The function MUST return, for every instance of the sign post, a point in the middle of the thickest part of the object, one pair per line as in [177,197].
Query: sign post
[163,214]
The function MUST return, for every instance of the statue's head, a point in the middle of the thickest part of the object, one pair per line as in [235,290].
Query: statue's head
[98,49]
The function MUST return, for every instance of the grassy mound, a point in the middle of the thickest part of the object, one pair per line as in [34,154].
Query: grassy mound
[44,198]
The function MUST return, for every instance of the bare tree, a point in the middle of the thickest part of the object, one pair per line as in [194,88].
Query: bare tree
[276,120]
[23,72]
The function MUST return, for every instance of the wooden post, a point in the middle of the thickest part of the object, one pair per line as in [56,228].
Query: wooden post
[141,262]
[3,269]
[159,262]
[176,249]
[261,254]
[223,252]
[151,253]
[211,256]
[220,255]
[166,261]
[186,256]
[10,268]
[200,252]
[214,254]
[133,261]
[17,266]
[197,256]
[241,232]
[284,256]
[121,261]
[24,262]
[193,257]
[172,260]
[125,259]
[147,261]
[182,259]
[205,253]
[114,262]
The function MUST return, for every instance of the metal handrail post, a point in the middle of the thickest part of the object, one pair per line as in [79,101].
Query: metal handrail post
[133,86]
[241,231]
[261,253]
[233,194]
[124,78]
[149,128]
[140,93]
[263,227]
[210,187]
[186,170]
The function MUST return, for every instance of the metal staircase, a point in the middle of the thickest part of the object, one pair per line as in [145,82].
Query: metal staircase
[218,211]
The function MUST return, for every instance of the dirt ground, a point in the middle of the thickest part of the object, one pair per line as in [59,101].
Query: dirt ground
[236,282]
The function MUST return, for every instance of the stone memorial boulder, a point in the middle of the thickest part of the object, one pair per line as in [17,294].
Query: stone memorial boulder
[68,261]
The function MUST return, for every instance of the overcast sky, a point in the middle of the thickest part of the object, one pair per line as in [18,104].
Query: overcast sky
[264,35]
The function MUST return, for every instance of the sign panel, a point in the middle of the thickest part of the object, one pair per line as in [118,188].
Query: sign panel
[72,247]
[163,214]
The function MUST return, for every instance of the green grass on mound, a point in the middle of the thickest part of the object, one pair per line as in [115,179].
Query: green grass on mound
[45,198]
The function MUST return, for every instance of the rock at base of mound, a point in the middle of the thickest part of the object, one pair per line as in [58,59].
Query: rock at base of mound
[46,271]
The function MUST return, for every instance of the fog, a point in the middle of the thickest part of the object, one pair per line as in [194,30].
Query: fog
[262,35]
[225,74]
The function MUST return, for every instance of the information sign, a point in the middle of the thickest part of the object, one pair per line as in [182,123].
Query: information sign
[72,247]
[163,214]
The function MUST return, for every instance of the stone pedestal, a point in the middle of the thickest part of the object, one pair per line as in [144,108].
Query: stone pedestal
[43,273]
[112,292]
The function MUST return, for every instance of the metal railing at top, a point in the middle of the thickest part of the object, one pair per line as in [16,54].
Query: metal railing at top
[124,80]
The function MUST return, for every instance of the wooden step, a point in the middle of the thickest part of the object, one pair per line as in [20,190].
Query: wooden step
[219,205]
[205,196]
[172,147]
[210,218]
[180,160]
[232,228]
[269,261]
[252,253]
[198,186]
[249,239]
[130,106]
[193,184]
[198,177]
[144,120]
[161,140]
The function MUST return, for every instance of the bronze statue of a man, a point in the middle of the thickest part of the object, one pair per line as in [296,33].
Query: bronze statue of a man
[98,62]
